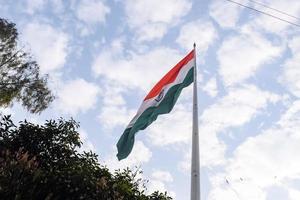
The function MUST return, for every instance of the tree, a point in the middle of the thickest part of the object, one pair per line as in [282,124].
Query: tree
[43,162]
[19,75]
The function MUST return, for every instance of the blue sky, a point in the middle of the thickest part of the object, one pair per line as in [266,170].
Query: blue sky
[103,57]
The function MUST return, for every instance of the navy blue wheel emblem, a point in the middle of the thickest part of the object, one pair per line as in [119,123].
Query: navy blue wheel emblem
[160,96]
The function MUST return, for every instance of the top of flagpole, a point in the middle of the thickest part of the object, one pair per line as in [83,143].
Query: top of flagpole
[194,45]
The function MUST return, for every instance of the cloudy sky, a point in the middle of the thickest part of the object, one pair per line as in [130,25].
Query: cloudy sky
[103,56]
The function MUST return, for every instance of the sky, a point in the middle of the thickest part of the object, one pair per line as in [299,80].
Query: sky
[103,56]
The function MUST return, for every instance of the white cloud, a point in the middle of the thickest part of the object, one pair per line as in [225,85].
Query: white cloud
[232,192]
[140,155]
[112,95]
[140,71]
[87,144]
[6,111]
[113,116]
[237,108]
[157,11]
[156,185]
[158,182]
[291,70]
[48,45]
[234,110]
[92,11]
[185,164]
[226,14]
[275,26]
[294,45]
[162,175]
[268,159]
[242,55]
[153,14]
[114,111]
[151,31]
[211,87]
[77,96]
[212,150]
[33,6]
[58,6]
[294,194]
[117,45]
[203,33]
[163,132]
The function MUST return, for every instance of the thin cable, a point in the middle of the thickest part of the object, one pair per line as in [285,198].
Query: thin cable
[265,13]
[266,6]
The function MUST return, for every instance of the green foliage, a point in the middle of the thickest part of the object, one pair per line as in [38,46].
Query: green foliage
[19,76]
[42,162]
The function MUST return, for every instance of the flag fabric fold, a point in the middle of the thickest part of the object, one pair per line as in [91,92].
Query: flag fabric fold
[160,100]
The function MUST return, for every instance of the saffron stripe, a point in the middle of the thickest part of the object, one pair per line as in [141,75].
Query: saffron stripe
[170,76]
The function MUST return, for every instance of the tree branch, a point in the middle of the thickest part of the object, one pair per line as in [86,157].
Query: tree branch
[10,58]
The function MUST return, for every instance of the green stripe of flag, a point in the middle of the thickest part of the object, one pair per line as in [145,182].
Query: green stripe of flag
[125,143]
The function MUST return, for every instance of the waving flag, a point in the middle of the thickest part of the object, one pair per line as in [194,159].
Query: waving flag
[160,100]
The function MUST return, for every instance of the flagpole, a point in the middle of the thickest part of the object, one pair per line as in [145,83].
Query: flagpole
[195,166]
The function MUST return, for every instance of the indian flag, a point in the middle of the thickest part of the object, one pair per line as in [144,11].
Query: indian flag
[160,100]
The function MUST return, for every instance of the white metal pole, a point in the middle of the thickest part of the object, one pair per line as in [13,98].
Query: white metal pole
[195,167]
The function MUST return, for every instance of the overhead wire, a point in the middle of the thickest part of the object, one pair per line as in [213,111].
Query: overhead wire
[262,12]
[274,9]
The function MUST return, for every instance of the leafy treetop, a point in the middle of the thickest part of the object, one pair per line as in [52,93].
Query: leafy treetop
[20,78]
[43,162]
